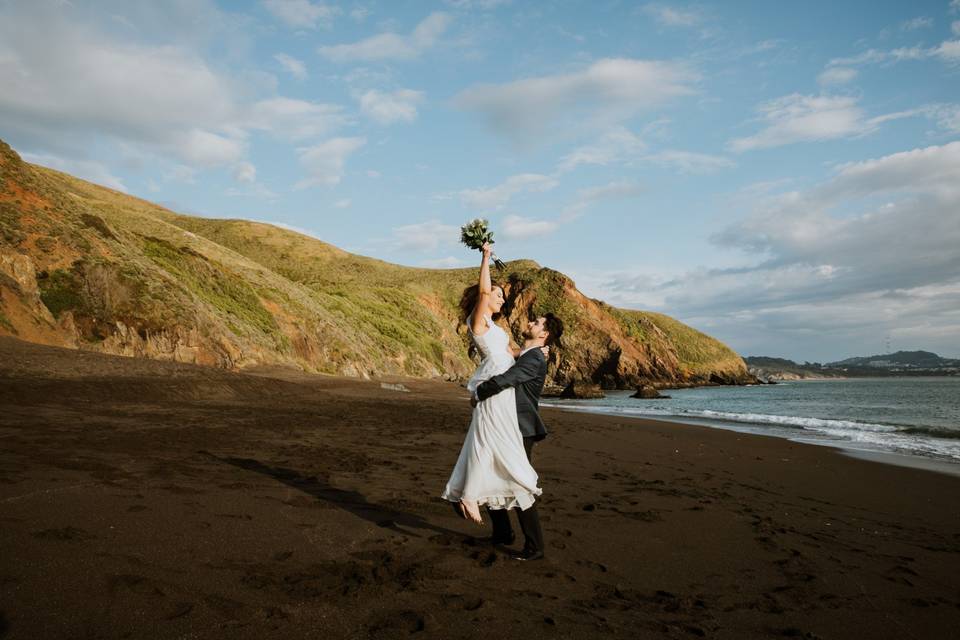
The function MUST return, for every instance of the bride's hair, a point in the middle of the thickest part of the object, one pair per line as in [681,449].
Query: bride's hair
[468,300]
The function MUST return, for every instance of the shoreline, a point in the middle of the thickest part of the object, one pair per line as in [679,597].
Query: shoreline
[894,458]
[154,499]
[854,417]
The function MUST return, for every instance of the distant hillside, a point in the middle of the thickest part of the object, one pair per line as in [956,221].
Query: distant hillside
[777,369]
[91,268]
[901,363]
[900,359]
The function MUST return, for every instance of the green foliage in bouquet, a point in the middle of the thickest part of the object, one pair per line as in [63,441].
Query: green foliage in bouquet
[475,234]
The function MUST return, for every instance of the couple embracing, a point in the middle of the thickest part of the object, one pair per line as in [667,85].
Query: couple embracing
[494,468]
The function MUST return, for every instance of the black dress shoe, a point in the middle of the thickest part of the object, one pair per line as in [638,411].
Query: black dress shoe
[528,554]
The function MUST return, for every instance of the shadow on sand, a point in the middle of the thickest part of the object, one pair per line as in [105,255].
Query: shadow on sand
[350,501]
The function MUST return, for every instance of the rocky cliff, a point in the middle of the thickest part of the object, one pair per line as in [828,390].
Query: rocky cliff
[91,268]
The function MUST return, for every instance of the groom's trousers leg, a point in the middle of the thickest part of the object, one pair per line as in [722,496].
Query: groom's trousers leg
[530,525]
[500,518]
[529,518]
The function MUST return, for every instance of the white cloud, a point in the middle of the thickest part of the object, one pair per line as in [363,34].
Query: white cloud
[689,161]
[391,46]
[673,16]
[920,22]
[245,172]
[616,190]
[302,13]
[837,75]
[954,6]
[498,196]
[373,173]
[77,80]
[948,51]
[291,65]
[520,228]
[799,118]
[206,149]
[955,27]
[86,169]
[424,236]
[253,190]
[343,203]
[395,106]
[324,162]
[80,87]
[872,248]
[477,4]
[295,119]
[443,263]
[603,94]
[181,173]
[614,146]
[359,14]
[947,117]
[620,146]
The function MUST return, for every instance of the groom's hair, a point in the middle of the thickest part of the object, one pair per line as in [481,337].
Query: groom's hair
[554,326]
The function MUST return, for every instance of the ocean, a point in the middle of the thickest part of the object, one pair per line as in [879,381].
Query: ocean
[918,418]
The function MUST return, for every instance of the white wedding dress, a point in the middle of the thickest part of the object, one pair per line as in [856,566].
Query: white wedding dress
[493,468]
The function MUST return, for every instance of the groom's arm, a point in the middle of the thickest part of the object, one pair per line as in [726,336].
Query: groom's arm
[526,368]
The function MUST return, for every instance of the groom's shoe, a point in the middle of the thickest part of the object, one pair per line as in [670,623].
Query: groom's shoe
[527,554]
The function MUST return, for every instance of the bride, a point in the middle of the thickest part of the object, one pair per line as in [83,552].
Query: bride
[492,469]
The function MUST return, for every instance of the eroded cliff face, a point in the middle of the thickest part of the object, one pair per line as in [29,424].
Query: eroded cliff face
[603,346]
[87,267]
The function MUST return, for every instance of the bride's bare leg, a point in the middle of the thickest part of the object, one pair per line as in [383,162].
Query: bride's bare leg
[471,510]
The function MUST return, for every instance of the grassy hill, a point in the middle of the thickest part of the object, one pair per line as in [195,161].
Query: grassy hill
[91,268]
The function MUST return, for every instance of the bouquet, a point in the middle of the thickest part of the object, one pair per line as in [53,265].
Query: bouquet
[475,234]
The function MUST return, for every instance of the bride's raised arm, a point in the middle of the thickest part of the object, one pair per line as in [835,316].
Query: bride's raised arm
[477,324]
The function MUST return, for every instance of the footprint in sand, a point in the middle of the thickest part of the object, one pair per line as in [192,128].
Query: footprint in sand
[461,601]
[68,534]
[391,624]
[178,610]
[133,583]
[596,566]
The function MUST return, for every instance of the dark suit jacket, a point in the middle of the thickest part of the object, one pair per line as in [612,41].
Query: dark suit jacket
[526,376]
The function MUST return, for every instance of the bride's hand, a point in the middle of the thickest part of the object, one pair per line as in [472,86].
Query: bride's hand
[487,250]
[546,351]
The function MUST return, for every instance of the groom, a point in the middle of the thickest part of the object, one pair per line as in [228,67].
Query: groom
[526,376]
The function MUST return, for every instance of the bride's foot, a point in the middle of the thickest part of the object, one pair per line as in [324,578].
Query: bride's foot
[471,511]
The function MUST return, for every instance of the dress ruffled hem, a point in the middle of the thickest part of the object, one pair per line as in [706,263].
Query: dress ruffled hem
[523,501]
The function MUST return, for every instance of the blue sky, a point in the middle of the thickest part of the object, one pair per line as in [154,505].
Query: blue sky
[783,176]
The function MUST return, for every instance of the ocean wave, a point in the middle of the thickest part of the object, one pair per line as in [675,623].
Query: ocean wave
[933,432]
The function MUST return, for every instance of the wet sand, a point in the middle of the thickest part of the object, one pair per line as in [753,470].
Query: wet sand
[142,499]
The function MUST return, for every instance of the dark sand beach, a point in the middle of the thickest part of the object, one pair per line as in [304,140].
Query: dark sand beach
[143,499]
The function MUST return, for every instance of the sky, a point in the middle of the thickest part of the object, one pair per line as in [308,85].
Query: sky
[782,176]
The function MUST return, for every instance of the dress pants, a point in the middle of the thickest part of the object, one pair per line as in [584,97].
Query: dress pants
[529,519]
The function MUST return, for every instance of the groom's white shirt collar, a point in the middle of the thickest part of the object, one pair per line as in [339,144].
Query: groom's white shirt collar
[528,349]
